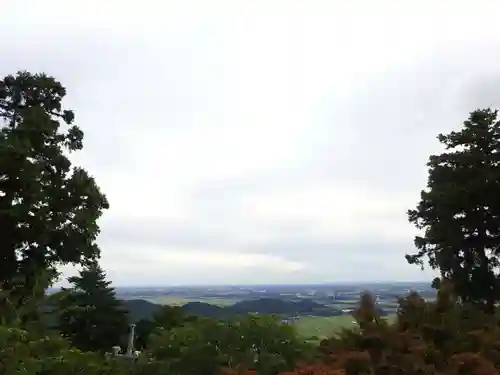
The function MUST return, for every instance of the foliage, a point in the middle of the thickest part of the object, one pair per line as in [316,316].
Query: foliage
[444,337]
[23,353]
[459,212]
[90,315]
[18,310]
[203,346]
[48,210]
[166,317]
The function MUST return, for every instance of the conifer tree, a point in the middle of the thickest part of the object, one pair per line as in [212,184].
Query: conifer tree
[459,211]
[91,316]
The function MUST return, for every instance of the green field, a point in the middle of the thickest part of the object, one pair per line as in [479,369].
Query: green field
[345,302]
[307,326]
[322,327]
[178,301]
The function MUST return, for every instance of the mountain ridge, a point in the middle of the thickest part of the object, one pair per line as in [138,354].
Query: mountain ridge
[143,309]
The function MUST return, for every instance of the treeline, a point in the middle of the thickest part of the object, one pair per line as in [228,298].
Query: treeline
[48,215]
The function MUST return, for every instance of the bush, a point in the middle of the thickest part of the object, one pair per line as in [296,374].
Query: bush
[444,337]
[262,343]
[22,353]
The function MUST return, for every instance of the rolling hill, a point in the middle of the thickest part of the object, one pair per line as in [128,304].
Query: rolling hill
[141,309]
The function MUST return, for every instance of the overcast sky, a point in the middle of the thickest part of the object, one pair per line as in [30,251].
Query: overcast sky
[259,141]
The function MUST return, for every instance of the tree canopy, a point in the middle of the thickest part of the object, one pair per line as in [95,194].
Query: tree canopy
[459,212]
[48,208]
[91,316]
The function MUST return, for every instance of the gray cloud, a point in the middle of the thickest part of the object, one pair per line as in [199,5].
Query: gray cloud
[236,153]
[329,258]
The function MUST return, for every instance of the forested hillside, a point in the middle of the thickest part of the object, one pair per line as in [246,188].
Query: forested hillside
[140,309]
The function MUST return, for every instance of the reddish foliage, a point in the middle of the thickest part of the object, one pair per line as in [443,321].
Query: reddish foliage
[439,338]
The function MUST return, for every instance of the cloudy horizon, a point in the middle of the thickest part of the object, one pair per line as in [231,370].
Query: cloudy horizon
[259,142]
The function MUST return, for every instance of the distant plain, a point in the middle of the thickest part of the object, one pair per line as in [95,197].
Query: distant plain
[343,298]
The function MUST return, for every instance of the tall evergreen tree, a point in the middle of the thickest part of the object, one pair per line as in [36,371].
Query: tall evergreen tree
[91,316]
[459,212]
[48,209]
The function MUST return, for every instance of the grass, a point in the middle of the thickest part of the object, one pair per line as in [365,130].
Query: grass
[307,326]
[322,327]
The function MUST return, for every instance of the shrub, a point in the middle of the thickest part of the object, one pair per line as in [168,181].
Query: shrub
[444,337]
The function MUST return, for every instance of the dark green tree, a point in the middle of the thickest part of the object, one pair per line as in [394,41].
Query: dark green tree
[91,316]
[459,211]
[257,342]
[167,317]
[48,209]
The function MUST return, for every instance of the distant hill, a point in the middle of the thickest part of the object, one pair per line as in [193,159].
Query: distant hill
[281,307]
[141,309]
[206,310]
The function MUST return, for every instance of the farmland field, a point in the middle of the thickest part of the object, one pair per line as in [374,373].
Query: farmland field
[179,301]
[322,327]
[339,299]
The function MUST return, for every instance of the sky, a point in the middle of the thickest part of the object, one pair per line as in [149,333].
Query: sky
[261,141]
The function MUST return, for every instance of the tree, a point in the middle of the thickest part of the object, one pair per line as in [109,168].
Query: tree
[48,209]
[167,317]
[31,311]
[261,343]
[26,353]
[459,212]
[427,338]
[91,316]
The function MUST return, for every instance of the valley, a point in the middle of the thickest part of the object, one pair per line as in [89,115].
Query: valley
[316,311]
